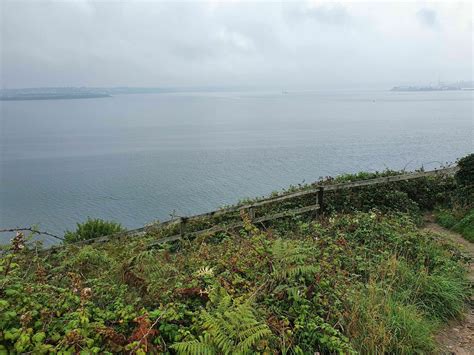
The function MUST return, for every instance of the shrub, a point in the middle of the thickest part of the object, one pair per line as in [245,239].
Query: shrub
[465,175]
[88,261]
[92,228]
[385,198]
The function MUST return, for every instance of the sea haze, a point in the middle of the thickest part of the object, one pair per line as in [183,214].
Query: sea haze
[137,158]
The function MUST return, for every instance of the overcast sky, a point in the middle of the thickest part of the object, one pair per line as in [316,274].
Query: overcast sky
[304,44]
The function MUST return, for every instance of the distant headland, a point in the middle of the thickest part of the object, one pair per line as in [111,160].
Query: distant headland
[67,93]
[20,97]
[460,85]
[51,94]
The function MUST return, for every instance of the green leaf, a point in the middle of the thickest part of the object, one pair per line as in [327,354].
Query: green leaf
[38,337]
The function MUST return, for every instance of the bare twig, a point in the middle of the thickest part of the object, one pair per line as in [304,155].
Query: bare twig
[406,165]
[31,230]
[255,293]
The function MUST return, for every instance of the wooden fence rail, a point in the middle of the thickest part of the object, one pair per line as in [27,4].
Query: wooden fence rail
[316,189]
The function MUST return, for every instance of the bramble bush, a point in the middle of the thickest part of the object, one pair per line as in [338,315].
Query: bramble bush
[465,175]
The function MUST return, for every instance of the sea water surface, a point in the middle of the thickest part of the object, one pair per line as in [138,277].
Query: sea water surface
[139,158]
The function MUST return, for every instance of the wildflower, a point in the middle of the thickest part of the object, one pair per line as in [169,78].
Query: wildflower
[86,293]
[205,271]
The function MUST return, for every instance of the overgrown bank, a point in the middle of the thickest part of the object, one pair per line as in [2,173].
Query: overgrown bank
[362,279]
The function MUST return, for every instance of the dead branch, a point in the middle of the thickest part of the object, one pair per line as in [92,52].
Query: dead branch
[30,229]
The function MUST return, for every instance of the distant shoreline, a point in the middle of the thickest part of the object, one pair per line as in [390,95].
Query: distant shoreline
[29,97]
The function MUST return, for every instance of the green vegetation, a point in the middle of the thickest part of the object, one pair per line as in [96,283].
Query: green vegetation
[461,222]
[361,282]
[92,228]
[458,213]
[465,175]
[362,279]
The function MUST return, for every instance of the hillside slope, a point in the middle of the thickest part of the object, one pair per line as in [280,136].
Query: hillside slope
[364,278]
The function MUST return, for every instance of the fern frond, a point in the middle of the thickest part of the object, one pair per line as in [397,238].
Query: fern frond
[305,271]
[221,299]
[229,327]
[193,347]
[257,333]
[219,329]
[294,293]
[253,330]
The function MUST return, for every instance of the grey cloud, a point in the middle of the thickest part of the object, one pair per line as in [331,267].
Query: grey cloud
[428,17]
[290,44]
[331,14]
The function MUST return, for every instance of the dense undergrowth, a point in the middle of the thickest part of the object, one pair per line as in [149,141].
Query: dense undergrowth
[363,282]
[362,279]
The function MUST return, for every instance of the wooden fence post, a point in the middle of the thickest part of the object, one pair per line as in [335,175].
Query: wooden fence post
[316,211]
[252,213]
[182,222]
[320,201]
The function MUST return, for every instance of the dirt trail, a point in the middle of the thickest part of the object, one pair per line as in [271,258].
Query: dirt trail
[458,336]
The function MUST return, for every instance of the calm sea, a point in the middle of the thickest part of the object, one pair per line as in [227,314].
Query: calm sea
[139,158]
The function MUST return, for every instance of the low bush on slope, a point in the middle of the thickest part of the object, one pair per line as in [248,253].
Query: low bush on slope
[92,228]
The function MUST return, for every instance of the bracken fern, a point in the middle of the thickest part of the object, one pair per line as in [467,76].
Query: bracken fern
[228,327]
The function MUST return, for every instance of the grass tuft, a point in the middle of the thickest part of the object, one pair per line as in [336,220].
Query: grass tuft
[461,222]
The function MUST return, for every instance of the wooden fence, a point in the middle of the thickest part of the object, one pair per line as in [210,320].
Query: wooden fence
[317,189]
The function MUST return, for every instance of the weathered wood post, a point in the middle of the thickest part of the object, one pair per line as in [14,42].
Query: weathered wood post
[316,212]
[252,213]
[319,202]
[182,225]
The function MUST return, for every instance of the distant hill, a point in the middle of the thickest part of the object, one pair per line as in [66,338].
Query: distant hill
[53,93]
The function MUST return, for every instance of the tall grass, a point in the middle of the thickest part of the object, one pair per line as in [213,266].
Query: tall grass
[381,324]
[440,295]
[459,221]
[399,308]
